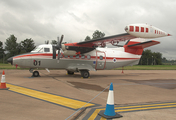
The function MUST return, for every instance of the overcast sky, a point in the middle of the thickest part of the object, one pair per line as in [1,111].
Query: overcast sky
[44,20]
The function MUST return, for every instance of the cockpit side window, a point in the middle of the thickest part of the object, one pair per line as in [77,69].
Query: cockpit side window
[46,50]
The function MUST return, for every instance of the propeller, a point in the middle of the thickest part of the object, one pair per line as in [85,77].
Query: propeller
[59,45]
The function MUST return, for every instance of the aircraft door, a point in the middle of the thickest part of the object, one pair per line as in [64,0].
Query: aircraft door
[100,60]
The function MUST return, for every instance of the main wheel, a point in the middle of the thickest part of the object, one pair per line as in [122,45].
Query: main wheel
[70,73]
[85,73]
[36,74]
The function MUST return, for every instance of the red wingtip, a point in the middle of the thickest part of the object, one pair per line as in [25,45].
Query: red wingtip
[3,73]
[169,35]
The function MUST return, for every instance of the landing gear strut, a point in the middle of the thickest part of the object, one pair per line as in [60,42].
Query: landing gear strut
[85,73]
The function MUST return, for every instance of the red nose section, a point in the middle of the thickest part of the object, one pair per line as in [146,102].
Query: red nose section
[169,35]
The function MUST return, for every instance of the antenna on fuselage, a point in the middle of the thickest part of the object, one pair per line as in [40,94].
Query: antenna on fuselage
[47,42]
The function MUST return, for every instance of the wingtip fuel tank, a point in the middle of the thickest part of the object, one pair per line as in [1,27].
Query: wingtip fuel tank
[145,31]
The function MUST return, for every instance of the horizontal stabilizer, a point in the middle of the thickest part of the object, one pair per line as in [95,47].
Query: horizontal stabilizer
[143,44]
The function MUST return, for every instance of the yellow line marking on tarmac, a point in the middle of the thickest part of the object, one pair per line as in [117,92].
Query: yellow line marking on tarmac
[147,108]
[144,105]
[94,115]
[134,108]
[67,102]
[102,118]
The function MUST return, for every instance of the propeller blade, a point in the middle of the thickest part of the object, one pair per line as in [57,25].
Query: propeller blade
[58,55]
[59,45]
[61,39]
[54,52]
[58,41]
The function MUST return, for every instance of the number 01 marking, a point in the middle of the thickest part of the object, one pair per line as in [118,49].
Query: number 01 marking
[36,62]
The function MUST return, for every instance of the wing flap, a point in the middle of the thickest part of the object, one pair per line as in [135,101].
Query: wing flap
[144,44]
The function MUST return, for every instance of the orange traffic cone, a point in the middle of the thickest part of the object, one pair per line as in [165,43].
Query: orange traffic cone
[3,82]
[122,70]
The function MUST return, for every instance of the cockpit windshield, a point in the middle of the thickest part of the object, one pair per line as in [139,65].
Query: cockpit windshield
[37,49]
[42,49]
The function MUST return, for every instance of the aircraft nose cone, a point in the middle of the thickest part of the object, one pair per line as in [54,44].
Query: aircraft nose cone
[10,60]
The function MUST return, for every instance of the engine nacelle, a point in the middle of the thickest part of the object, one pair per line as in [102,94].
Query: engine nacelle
[67,52]
[71,49]
[145,31]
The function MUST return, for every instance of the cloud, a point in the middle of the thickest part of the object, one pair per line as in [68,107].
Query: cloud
[44,20]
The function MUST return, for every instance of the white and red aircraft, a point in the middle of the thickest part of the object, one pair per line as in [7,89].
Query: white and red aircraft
[89,55]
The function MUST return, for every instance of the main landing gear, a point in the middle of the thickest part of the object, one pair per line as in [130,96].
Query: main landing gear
[70,73]
[85,73]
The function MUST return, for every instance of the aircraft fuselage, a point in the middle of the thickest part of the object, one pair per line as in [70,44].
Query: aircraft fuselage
[98,59]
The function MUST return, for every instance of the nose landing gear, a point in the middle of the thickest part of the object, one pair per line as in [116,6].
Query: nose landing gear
[35,73]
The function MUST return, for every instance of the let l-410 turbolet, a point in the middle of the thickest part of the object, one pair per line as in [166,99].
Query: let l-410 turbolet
[88,56]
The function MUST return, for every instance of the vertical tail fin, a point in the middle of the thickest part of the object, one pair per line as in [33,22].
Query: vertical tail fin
[136,46]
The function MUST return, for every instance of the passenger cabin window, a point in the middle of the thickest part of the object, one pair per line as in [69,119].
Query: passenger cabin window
[46,50]
[101,57]
[88,56]
[82,56]
[71,56]
[77,56]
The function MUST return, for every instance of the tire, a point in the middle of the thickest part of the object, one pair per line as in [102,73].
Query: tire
[85,73]
[36,74]
[70,73]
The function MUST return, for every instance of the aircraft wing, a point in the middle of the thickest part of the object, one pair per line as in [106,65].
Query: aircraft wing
[87,46]
[114,40]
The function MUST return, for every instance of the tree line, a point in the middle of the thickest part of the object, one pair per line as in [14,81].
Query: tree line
[13,48]
[151,58]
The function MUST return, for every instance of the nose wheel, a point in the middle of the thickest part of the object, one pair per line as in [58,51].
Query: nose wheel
[35,74]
